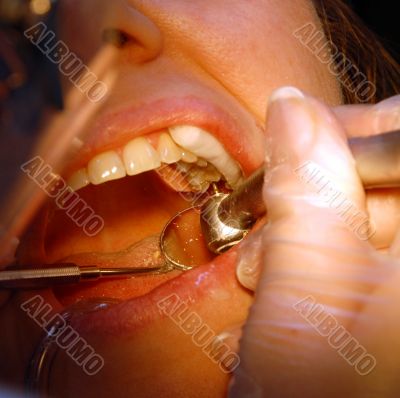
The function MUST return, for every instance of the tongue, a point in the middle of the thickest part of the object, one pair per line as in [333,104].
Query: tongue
[133,208]
[143,254]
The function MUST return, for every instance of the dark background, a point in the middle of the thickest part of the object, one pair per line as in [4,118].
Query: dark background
[383,18]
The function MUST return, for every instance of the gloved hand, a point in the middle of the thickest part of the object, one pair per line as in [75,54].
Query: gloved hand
[326,317]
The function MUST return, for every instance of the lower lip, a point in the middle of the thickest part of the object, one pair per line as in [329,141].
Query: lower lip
[215,280]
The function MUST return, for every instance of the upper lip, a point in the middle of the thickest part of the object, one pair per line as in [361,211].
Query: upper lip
[241,138]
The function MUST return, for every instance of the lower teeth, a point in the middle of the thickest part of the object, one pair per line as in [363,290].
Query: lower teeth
[185,177]
[199,177]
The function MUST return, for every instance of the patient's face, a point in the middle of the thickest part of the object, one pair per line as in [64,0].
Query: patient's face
[210,64]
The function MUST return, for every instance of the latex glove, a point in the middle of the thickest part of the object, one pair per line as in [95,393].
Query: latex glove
[326,317]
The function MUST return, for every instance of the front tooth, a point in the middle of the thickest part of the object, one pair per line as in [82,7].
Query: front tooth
[105,167]
[167,149]
[140,156]
[206,146]
[79,179]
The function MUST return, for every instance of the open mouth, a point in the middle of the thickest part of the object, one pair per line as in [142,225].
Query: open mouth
[136,188]
[132,184]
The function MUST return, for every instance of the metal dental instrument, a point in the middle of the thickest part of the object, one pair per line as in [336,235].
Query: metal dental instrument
[226,218]
[65,273]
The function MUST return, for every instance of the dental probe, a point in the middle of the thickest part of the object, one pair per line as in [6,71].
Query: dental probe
[227,218]
[65,273]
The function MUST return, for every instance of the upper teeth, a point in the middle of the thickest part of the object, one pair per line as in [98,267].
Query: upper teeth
[105,167]
[182,143]
[206,146]
[139,156]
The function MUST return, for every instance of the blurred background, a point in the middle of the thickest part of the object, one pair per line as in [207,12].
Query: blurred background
[29,82]
[382,18]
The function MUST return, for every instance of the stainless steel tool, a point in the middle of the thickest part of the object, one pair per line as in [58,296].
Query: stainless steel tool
[65,273]
[227,218]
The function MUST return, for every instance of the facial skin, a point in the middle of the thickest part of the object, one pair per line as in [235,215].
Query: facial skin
[186,53]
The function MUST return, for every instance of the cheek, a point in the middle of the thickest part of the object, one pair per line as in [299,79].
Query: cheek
[250,48]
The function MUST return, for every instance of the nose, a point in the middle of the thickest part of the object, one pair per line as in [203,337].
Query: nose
[136,34]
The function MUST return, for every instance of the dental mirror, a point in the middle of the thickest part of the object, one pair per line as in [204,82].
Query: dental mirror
[182,242]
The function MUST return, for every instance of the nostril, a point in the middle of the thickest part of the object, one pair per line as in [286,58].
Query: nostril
[114,36]
[135,33]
